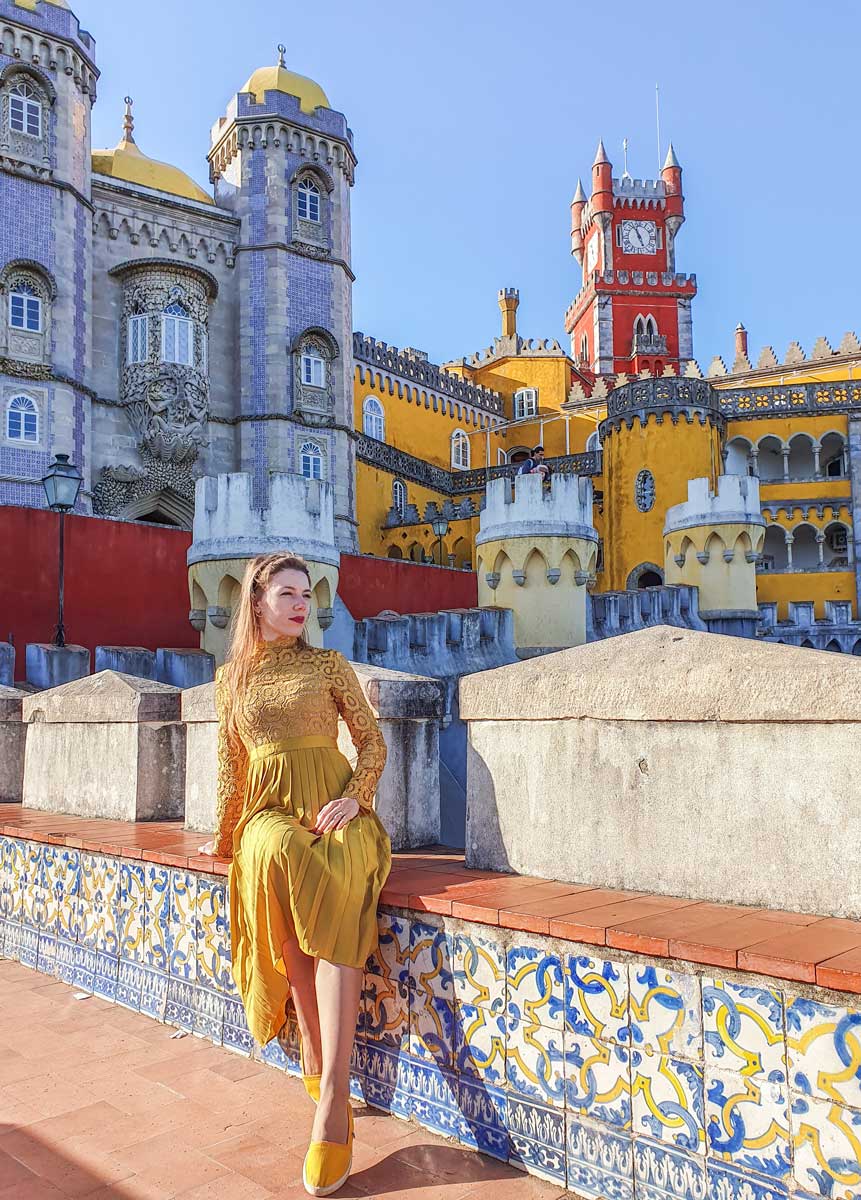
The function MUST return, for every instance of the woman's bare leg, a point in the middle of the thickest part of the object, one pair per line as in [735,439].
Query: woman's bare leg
[338,992]
[300,972]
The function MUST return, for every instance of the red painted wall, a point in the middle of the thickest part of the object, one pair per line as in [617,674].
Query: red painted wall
[369,586]
[126,584]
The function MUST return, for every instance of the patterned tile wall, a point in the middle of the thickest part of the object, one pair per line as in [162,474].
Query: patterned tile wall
[615,1079]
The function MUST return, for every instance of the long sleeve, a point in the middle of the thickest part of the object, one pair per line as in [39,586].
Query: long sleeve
[364,730]
[232,770]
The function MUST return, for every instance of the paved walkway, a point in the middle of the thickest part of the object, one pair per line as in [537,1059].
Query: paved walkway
[99,1102]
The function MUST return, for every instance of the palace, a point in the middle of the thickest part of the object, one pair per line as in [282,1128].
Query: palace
[157,332]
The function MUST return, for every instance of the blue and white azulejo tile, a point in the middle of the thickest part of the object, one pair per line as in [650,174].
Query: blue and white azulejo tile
[599,1160]
[535,987]
[667,1096]
[480,1043]
[537,1138]
[824,1048]
[479,970]
[430,970]
[747,1122]
[726,1182]
[666,1013]
[535,1063]
[743,1028]
[667,1173]
[827,1147]
[598,1080]
[596,998]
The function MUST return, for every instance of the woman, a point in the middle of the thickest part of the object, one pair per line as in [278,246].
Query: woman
[310,855]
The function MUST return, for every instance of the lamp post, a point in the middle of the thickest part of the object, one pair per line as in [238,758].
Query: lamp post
[440,527]
[62,485]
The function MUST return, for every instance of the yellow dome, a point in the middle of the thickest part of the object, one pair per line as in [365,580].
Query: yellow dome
[279,79]
[127,162]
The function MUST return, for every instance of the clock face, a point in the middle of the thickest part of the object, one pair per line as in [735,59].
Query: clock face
[639,237]
[592,254]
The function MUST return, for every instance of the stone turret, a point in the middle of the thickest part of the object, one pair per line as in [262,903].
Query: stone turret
[229,529]
[712,542]
[536,550]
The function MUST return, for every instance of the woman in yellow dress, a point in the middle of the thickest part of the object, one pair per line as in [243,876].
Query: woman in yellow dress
[309,854]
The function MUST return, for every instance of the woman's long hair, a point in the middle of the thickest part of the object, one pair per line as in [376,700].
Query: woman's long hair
[245,627]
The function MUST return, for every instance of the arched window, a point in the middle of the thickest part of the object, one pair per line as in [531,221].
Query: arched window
[399,497]
[640,327]
[25,308]
[460,450]
[177,336]
[25,111]
[308,201]
[374,419]
[22,420]
[593,441]
[584,348]
[311,460]
[651,328]
[525,403]
[138,339]
[313,369]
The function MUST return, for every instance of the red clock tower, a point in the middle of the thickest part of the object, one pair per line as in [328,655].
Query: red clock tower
[633,311]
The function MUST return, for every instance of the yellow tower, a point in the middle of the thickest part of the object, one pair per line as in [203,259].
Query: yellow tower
[658,434]
[536,550]
[712,542]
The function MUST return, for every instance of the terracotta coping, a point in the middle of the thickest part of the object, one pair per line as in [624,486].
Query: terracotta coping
[796,946]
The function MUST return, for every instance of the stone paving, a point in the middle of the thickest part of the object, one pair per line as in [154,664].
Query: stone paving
[98,1102]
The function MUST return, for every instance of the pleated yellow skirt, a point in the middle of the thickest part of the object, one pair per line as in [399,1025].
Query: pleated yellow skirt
[289,882]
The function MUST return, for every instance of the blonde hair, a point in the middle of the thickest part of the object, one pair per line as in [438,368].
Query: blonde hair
[245,627]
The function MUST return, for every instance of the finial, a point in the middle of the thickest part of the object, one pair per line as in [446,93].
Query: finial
[579,195]
[282,50]
[129,121]
[671,160]
[600,155]
[625,174]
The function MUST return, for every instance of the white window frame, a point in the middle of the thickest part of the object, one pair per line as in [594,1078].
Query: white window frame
[30,300]
[593,441]
[25,100]
[137,338]
[374,419]
[204,352]
[177,328]
[311,455]
[23,406]
[313,369]
[399,497]
[308,197]
[460,456]
[525,403]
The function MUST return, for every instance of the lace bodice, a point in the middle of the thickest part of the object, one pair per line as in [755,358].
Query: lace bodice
[293,691]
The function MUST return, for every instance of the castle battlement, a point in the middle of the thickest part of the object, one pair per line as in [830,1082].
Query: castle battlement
[373,353]
[736,502]
[673,283]
[625,189]
[526,509]
[299,518]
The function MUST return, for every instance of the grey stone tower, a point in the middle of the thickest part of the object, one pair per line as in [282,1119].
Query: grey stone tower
[282,160]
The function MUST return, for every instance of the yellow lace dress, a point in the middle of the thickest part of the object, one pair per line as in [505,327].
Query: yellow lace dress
[284,880]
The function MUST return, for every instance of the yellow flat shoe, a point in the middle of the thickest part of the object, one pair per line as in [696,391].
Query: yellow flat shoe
[327,1164]
[311,1082]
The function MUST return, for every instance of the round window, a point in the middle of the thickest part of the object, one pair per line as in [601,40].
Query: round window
[644,491]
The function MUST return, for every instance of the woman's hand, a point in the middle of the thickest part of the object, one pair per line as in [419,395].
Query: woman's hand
[336,814]
[209,849]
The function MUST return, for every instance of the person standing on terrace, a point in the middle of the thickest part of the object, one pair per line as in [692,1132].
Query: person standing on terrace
[309,854]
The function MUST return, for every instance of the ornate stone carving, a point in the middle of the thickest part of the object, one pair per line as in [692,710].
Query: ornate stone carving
[316,405]
[22,151]
[132,491]
[169,413]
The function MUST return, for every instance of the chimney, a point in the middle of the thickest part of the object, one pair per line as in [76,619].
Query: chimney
[740,341]
[509,298]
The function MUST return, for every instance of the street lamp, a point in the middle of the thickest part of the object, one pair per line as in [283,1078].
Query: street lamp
[62,485]
[440,527]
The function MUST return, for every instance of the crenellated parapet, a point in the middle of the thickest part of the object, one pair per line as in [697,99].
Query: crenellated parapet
[837,631]
[621,283]
[536,551]
[410,374]
[613,613]
[712,542]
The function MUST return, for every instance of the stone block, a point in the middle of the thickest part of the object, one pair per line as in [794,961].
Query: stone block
[409,708]
[13,737]
[50,666]
[184,668]
[7,664]
[107,746]
[672,761]
[128,660]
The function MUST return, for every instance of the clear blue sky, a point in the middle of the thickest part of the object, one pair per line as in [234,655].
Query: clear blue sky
[472,121]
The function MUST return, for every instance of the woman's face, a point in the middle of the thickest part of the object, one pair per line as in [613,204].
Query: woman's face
[284,605]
